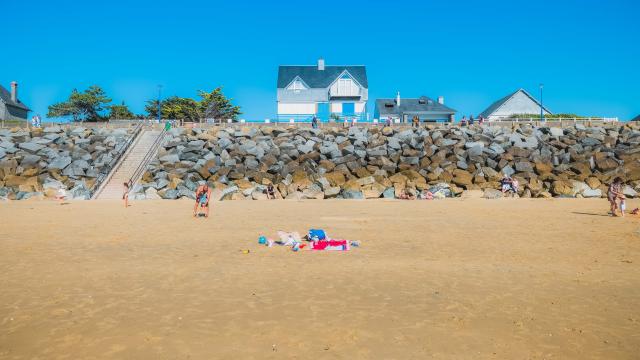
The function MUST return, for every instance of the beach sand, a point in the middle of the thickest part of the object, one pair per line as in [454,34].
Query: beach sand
[450,279]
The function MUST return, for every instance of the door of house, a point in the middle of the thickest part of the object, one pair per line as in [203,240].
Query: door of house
[323,112]
[348,108]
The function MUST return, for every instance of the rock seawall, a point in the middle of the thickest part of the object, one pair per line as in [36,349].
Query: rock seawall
[37,162]
[374,162]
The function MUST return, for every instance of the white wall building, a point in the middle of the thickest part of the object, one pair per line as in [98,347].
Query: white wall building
[323,92]
[519,102]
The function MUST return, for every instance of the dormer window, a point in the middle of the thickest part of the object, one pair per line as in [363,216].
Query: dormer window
[345,86]
[297,86]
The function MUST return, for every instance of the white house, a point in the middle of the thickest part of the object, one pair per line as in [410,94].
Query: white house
[324,92]
[519,102]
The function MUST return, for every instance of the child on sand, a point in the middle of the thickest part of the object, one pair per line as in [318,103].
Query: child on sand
[61,195]
[614,194]
[203,195]
[125,194]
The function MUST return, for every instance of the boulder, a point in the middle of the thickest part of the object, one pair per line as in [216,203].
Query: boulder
[492,194]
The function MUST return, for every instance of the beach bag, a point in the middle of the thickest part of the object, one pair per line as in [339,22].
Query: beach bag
[317,234]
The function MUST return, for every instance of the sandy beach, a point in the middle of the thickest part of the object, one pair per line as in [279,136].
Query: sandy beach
[451,279]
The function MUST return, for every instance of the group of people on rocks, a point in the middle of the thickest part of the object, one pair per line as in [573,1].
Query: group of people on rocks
[471,120]
[36,122]
[422,195]
[509,185]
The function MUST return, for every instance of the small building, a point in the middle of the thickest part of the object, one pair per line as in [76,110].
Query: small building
[519,102]
[11,108]
[326,92]
[404,110]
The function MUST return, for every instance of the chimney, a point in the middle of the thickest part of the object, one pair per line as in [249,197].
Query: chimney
[321,64]
[398,99]
[441,100]
[14,91]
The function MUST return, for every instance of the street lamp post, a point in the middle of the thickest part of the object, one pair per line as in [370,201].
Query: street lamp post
[159,107]
[541,108]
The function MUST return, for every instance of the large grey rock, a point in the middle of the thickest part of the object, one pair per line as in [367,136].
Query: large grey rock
[59,163]
[352,194]
[30,146]
[170,158]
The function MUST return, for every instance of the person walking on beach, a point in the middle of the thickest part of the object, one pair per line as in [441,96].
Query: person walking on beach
[203,195]
[125,194]
[614,194]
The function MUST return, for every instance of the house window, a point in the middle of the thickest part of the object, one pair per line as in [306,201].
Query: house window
[297,86]
[347,87]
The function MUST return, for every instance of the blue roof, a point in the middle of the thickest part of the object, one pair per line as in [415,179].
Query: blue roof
[315,78]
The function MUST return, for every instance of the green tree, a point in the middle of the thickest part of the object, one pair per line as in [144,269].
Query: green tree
[120,112]
[82,106]
[180,108]
[214,105]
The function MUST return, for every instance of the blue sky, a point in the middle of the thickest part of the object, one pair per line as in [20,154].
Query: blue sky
[471,52]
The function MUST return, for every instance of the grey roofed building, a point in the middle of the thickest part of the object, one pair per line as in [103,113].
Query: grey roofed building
[517,103]
[316,78]
[424,107]
[11,108]
[637,118]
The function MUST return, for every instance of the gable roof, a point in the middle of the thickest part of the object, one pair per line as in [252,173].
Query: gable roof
[428,105]
[315,78]
[637,118]
[496,105]
[5,96]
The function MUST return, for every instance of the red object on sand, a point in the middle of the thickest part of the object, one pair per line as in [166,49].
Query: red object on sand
[324,244]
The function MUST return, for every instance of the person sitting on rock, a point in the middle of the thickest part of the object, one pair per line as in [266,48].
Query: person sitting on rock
[271,192]
[406,195]
[514,185]
[506,184]
[426,195]
[614,194]
[203,195]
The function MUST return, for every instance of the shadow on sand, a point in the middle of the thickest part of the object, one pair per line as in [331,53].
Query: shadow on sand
[591,214]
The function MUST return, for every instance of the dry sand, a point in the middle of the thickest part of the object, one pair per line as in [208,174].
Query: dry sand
[452,279]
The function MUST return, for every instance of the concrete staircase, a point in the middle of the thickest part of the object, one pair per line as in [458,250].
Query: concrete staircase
[112,188]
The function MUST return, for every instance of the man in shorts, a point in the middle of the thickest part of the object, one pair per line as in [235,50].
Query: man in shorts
[203,195]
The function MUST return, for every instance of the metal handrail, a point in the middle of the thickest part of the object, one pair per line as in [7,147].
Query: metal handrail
[146,160]
[106,170]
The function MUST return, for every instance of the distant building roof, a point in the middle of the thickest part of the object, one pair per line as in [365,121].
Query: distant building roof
[496,105]
[5,96]
[420,105]
[637,118]
[315,78]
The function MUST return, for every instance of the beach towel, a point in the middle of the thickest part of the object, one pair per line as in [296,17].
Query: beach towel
[289,238]
[335,245]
